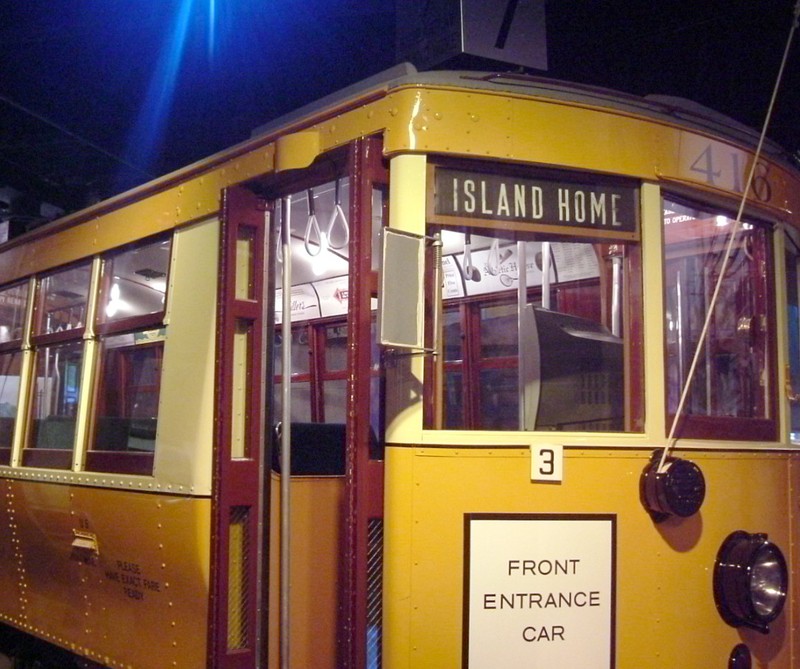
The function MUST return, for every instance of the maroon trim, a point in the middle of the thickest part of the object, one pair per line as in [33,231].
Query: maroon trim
[153,321]
[117,462]
[364,477]
[237,483]
[73,335]
[49,458]
[728,428]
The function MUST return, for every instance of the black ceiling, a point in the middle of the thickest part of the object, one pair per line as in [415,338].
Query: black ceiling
[96,97]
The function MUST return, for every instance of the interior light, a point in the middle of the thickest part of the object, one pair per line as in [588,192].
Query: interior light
[750,581]
[114,302]
[721,221]
[678,489]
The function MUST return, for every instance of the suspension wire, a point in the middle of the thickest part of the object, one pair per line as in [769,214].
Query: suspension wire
[671,439]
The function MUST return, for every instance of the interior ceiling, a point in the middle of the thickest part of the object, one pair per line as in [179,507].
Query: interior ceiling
[99,97]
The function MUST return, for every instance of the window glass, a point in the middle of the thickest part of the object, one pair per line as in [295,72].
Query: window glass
[335,398]
[793,324]
[13,310]
[56,389]
[336,348]
[13,306]
[63,297]
[135,282]
[730,379]
[498,328]
[129,383]
[10,369]
[301,352]
[544,272]
[508,367]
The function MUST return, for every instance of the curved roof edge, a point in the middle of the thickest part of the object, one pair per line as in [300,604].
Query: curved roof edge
[669,109]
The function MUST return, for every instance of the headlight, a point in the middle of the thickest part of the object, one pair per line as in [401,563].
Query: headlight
[678,490]
[750,581]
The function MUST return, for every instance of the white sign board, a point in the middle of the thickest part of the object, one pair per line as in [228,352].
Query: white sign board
[539,591]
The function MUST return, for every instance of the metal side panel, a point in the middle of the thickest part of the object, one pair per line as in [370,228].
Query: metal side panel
[119,577]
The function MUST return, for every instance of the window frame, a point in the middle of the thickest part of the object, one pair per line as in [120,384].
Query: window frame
[122,461]
[34,456]
[11,347]
[728,428]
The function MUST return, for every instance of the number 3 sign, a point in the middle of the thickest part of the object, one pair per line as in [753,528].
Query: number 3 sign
[547,462]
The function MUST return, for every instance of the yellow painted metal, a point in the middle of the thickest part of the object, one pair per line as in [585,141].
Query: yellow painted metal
[140,601]
[783,377]
[186,411]
[665,617]
[317,520]
[189,195]
[296,150]
[406,213]
[419,118]
[652,245]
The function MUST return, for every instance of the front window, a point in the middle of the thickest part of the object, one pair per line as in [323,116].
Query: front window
[541,304]
[730,395]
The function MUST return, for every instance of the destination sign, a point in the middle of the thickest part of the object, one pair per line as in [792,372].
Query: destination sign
[498,197]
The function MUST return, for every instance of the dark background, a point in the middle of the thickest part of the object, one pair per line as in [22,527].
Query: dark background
[97,96]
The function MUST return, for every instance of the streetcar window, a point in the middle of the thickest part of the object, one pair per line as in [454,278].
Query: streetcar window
[54,403]
[10,370]
[62,302]
[555,362]
[793,324]
[13,307]
[134,284]
[730,395]
[126,408]
[58,350]
[133,293]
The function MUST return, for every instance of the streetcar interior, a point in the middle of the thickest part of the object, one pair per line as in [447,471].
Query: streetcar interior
[318,220]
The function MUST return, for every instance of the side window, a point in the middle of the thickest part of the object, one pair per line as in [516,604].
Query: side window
[730,395]
[59,322]
[13,308]
[793,325]
[131,335]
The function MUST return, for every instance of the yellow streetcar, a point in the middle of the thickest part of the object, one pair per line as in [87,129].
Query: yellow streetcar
[534,379]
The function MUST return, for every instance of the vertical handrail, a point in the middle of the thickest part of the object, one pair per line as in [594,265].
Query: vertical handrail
[522,301]
[286,432]
[546,275]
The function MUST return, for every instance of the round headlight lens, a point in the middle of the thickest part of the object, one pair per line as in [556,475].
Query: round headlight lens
[767,580]
[750,581]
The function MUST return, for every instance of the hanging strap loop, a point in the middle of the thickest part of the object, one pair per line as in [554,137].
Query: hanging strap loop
[313,248]
[338,215]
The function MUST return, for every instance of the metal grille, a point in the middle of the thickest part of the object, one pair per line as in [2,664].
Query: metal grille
[374,592]
[238,590]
